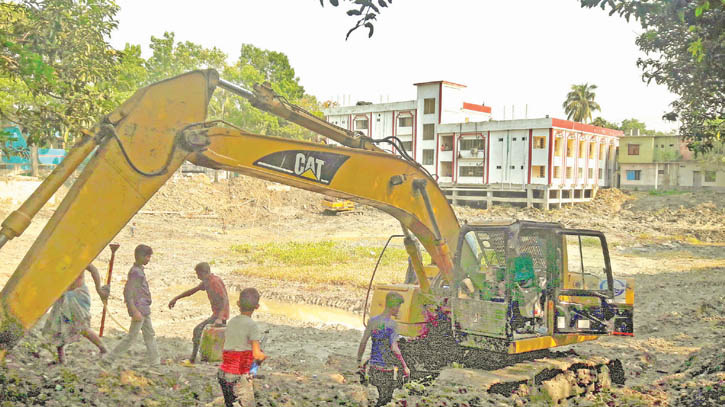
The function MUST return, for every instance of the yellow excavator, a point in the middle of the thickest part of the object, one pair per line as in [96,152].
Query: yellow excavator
[498,287]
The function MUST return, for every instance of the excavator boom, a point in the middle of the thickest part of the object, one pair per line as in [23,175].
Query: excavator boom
[143,142]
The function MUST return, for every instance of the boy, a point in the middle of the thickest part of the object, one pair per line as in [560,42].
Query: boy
[217,293]
[138,301]
[70,316]
[385,354]
[241,349]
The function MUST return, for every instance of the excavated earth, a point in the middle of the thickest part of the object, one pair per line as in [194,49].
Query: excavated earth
[672,245]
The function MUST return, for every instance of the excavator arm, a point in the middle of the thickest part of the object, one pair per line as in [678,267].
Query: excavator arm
[143,142]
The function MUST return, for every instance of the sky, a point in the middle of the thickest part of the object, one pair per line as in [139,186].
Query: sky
[520,55]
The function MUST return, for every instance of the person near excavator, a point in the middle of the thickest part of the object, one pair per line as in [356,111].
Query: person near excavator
[70,316]
[241,350]
[218,298]
[385,356]
[137,295]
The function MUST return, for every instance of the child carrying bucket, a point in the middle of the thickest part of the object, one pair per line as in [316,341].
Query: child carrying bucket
[218,298]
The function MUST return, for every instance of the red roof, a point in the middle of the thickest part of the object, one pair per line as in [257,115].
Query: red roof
[567,124]
[478,108]
[443,82]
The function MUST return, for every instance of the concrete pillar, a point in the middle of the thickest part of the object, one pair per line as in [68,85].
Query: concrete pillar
[529,197]
[455,195]
[489,199]
[559,193]
[546,199]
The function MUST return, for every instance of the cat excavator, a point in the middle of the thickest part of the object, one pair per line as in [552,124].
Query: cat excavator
[506,288]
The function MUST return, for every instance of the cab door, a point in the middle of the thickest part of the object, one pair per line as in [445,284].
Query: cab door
[589,299]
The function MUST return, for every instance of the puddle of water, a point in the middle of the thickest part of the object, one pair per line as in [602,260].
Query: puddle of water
[312,313]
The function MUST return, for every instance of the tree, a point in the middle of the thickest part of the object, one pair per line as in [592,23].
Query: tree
[57,64]
[171,58]
[579,103]
[366,13]
[684,43]
[254,66]
[633,126]
[599,121]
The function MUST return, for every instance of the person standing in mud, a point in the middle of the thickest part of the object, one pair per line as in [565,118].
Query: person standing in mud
[241,349]
[137,295]
[70,316]
[217,293]
[385,356]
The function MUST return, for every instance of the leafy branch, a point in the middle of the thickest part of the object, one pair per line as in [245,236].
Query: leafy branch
[366,10]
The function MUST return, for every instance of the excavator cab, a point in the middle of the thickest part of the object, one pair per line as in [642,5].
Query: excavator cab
[535,285]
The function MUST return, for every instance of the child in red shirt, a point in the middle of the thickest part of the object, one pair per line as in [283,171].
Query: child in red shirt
[241,349]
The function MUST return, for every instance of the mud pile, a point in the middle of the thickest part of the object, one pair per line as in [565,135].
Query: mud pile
[234,201]
[622,215]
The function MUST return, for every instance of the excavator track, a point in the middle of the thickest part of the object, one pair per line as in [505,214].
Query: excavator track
[439,365]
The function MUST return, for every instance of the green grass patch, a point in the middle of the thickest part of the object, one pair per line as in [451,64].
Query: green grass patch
[325,262]
[665,192]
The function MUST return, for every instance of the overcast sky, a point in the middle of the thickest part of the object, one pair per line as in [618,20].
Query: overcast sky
[508,52]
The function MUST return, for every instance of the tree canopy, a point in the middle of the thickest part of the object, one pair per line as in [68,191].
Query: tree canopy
[579,103]
[684,44]
[59,74]
[57,68]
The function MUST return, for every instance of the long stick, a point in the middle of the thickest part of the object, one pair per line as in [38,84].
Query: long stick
[114,247]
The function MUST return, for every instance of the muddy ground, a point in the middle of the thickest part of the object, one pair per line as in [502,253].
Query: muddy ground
[673,245]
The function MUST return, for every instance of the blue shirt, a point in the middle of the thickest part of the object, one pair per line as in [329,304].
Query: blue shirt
[384,332]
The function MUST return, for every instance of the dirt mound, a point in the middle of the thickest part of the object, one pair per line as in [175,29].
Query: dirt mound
[235,201]
[702,382]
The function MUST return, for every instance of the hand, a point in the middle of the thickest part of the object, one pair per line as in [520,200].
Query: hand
[104,292]
[218,322]
[172,303]
[137,317]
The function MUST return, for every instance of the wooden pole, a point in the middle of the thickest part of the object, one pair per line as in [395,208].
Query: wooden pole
[114,247]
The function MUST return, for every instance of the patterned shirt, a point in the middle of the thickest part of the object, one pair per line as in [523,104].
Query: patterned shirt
[384,332]
[217,293]
[137,291]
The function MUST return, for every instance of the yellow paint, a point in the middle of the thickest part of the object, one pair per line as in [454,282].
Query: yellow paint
[107,193]
[546,342]
[410,318]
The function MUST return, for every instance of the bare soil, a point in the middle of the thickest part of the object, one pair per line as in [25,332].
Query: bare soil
[673,245]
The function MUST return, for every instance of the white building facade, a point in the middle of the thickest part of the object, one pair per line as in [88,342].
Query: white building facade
[540,162]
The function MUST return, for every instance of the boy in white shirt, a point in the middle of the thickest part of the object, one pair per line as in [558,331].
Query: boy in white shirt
[241,349]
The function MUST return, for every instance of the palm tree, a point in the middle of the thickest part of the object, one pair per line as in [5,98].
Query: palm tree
[580,103]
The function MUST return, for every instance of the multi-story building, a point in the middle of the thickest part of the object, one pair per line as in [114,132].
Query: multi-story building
[539,162]
[663,162]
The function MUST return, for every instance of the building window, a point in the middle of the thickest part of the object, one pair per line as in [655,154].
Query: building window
[557,146]
[570,148]
[408,145]
[633,149]
[557,172]
[471,143]
[539,142]
[446,169]
[405,122]
[591,151]
[428,131]
[582,147]
[634,175]
[591,173]
[600,173]
[568,172]
[471,171]
[429,106]
[428,157]
[361,124]
[672,145]
[601,152]
[710,176]
[661,172]
[538,171]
